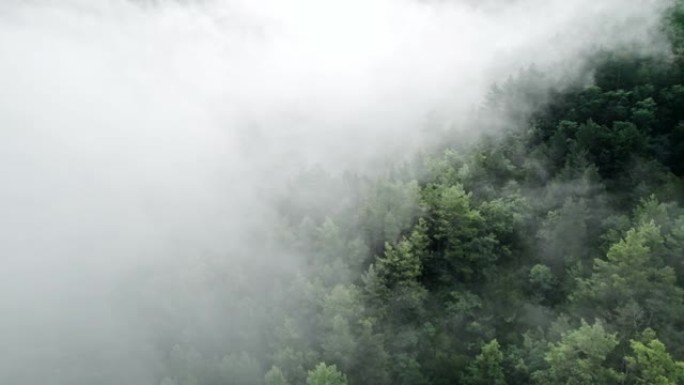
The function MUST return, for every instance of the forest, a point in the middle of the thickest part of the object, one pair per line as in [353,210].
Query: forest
[548,251]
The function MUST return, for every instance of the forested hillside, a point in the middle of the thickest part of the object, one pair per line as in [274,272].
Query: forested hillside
[550,252]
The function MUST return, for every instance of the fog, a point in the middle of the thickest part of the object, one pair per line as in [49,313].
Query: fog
[143,142]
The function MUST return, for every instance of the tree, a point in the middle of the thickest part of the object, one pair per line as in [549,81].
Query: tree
[631,287]
[402,263]
[577,359]
[371,361]
[651,364]
[275,377]
[464,250]
[564,235]
[541,279]
[240,369]
[399,270]
[323,374]
[487,369]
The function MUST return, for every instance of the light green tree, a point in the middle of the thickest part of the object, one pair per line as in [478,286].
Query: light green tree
[402,262]
[487,369]
[577,359]
[651,364]
[324,374]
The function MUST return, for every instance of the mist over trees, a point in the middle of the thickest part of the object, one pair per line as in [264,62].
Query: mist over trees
[549,254]
[545,246]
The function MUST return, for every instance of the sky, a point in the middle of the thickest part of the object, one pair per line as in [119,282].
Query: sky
[152,136]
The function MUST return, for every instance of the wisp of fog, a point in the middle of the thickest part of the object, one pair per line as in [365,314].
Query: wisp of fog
[140,139]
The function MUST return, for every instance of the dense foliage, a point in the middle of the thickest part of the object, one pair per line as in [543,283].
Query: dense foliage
[548,253]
